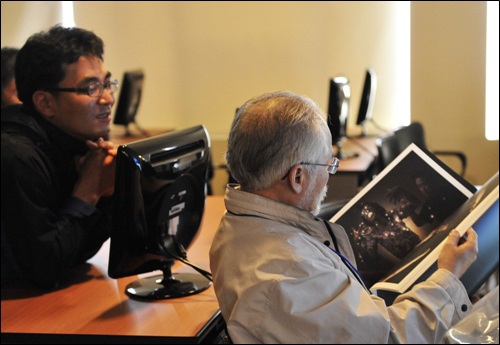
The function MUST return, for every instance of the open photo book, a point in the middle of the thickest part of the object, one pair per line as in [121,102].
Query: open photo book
[398,223]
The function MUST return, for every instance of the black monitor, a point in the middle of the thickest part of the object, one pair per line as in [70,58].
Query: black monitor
[129,100]
[338,111]
[159,199]
[367,100]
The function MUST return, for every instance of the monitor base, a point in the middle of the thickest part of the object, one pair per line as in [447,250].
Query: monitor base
[158,287]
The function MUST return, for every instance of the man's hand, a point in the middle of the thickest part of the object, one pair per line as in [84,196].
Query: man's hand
[458,253]
[96,171]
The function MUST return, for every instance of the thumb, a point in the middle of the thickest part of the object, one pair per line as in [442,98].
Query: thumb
[454,237]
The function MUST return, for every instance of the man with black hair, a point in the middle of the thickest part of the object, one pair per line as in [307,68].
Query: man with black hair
[57,166]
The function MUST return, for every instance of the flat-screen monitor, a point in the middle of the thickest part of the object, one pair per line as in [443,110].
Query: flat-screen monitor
[338,111]
[129,100]
[159,199]
[367,100]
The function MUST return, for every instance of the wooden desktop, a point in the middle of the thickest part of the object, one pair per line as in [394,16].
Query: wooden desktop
[355,170]
[93,308]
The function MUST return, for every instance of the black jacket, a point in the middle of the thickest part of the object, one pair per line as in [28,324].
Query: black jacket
[45,231]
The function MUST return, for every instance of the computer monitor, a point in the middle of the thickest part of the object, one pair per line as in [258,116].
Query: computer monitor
[338,112]
[129,100]
[159,199]
[367,100]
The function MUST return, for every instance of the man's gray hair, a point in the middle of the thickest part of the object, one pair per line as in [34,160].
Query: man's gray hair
[272,132]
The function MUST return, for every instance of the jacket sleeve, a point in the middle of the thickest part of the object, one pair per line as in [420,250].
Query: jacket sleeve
[45,235]
[437,304]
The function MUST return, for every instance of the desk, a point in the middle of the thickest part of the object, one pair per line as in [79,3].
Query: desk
[353,171]
[95,308]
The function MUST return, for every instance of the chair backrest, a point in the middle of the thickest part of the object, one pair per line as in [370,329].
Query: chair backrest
[413,133]
[388,149]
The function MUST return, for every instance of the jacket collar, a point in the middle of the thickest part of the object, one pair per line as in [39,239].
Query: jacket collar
[243,203]
[30,121]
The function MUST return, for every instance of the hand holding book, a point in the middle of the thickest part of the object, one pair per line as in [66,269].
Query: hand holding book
[456,257]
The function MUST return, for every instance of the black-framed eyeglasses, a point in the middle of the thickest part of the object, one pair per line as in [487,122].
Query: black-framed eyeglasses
[93,90]
[331,167]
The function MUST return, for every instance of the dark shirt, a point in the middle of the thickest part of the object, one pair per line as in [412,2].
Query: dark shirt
[45,231]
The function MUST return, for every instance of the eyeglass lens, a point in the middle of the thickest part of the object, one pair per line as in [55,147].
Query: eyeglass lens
[97,89]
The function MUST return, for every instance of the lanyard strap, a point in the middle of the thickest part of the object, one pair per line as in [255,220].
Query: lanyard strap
[346,262]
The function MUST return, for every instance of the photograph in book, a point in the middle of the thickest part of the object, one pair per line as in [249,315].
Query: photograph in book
[425,254]
[400,208]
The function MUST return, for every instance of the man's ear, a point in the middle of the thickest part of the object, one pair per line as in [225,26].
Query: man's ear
[44,103]
[296,178]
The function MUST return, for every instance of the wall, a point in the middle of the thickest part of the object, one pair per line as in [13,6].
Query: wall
[20,19]
[203,59]
[448,80]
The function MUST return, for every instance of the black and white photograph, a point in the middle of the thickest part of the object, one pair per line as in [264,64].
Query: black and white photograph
[399,209]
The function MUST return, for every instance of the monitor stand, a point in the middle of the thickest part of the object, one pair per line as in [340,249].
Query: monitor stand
[129,134]
[364,131]
[168,286]
[340,153]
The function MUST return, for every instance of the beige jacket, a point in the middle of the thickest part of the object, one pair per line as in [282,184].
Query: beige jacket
[278,282]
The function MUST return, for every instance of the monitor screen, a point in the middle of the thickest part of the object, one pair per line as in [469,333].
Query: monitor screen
[338,111]
[159,199]
[367,100]
[129,99]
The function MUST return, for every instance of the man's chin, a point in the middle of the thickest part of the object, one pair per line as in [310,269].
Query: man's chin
[103,133]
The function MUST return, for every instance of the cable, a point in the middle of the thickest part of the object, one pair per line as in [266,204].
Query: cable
[184,259]
[204,273]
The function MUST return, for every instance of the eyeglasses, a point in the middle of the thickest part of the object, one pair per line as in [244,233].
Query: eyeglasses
[93,90]
[331,167]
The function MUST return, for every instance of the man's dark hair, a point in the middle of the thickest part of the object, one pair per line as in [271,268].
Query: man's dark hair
[41,62]
[8,64]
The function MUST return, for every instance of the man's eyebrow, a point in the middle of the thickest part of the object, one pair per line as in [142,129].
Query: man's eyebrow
[90,80]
